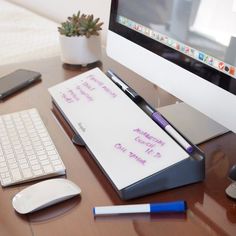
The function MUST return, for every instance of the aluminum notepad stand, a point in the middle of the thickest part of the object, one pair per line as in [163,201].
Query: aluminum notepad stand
[93,106]
[186,172]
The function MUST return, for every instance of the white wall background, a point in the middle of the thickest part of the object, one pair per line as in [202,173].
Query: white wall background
[59,10]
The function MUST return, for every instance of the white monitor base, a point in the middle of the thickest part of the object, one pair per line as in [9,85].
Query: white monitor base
[194,125]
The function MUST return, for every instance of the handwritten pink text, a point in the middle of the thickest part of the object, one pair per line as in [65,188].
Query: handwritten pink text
[130,154]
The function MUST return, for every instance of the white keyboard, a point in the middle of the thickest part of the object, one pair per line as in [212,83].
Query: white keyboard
[26,149]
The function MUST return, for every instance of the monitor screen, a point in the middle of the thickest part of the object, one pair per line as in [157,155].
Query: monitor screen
[193,37]
[199,37]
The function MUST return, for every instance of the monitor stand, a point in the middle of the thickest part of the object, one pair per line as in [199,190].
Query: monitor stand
[194,125]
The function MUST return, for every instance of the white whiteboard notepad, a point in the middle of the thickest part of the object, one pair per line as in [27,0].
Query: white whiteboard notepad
[124,140]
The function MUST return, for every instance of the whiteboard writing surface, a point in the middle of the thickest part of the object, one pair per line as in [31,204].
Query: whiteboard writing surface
[124,140]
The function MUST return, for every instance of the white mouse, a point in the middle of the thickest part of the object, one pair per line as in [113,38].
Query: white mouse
[44,194]
[231,190]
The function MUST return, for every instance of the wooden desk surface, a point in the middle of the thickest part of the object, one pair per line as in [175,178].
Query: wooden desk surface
[210,211]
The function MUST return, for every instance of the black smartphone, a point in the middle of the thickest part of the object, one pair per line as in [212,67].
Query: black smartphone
[17,80]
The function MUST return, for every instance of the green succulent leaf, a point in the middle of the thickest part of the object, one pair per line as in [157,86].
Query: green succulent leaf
[80,25]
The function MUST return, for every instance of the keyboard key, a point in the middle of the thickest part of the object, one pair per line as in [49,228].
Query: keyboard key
[27,173]
[36,167]
[3,164]
[13,165]
[38,172]
[24,166]
[54,157]
[51,153]
[3,169]
[16,174]
[59,168]
[6,181]
[48,169]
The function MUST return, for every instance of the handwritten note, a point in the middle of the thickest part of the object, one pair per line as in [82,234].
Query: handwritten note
[123,139]
[152,147]
[85,90]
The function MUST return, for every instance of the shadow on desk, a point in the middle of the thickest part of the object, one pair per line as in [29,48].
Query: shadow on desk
[52,212]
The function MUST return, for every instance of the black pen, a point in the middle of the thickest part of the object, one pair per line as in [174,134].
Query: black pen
[150,111]
[124,87]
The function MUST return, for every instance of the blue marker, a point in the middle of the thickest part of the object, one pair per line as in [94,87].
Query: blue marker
[165,207]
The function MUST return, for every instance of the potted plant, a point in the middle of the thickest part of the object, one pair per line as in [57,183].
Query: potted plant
[79,39]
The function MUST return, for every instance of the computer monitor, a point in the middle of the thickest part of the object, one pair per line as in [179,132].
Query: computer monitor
[186,47]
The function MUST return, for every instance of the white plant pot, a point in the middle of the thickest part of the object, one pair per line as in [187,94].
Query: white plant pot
[79,50]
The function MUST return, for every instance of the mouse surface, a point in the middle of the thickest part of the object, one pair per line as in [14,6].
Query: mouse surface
[231,190]
[44,194]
